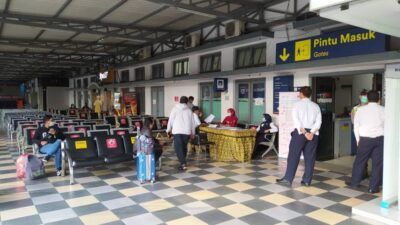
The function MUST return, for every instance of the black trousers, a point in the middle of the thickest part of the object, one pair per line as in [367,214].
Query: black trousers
[299,144]
[180,144]
[369,148]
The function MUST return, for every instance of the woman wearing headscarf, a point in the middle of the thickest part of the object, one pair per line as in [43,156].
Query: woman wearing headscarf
[263,130]
[230,120]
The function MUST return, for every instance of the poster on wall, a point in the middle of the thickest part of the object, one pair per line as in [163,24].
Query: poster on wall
[130,103]
[281,84]
[286,126]
[117,104]
[220,84]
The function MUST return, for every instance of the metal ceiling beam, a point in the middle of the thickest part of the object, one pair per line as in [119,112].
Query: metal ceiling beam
[98,28]
[6,7]
[204,10]
[75,46]
[62,8]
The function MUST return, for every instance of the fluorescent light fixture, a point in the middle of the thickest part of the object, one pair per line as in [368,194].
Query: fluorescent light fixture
[196,12]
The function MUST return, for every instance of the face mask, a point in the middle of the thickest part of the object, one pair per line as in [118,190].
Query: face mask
[229,114]
[263,119]
[364,99]
[52,124]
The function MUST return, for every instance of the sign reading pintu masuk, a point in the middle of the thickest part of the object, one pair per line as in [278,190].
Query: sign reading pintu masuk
[342,43]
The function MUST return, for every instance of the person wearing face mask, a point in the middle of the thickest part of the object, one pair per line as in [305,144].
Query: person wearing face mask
[230,120]
[265,129]
[48,138]
[363,100]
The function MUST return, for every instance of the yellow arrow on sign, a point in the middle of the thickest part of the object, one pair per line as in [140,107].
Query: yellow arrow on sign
[284,56]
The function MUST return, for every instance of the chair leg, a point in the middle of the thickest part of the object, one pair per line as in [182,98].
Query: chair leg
[63,163]
[159,163]
[71,173]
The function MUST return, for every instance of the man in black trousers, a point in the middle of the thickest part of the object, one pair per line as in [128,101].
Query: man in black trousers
[369,130]
[307,121]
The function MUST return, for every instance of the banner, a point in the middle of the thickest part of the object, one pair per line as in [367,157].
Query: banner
[286,126]
[130,103]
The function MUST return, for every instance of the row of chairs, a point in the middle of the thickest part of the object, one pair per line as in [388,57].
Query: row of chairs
[94,151]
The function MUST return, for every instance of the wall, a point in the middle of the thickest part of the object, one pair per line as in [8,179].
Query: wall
[360,82]
[58,97]
[343,96]
[9,90]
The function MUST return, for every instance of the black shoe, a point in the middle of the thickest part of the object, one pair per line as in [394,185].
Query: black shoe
[305,184]
[371,191]
[283,181]
[348,183]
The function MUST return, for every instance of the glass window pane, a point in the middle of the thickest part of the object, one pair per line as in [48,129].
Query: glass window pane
[247,58]
[243,91]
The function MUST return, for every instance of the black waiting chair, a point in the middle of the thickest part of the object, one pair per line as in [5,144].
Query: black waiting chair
[94,116]
[84,115]
[119,131]
[63,129]
[102,127]
[80,152]
[129,140]
[110,120]
[83,128]
[123,122]
[75,134]
[201,141]
[111,149]
[136,124]
[89,123]
[97,133]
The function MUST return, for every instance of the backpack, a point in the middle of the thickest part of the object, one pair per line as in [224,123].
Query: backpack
[30,167]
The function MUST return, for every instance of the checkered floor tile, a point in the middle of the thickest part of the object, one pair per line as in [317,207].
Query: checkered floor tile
[208,193]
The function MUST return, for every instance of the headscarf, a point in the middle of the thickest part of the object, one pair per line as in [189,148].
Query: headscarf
[232,119]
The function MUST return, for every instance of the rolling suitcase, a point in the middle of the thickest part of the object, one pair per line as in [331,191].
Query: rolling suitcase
[146,167]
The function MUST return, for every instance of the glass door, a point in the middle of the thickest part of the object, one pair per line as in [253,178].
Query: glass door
[250,101]
[243,102]
[157,101]
[258,102]
[210,101]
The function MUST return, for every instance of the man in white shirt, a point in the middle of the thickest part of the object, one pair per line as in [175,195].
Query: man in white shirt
[369,131]
[181,124]
[307,120]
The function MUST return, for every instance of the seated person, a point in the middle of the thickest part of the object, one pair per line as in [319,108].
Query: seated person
[264,130]
[48,138]
[72,106]
[146,130]
[196,116]
[231,120]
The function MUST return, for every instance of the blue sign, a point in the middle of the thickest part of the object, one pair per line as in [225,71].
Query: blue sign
[220,84]
[281,84]
[349,42]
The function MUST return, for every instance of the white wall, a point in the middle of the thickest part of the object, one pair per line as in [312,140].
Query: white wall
[360,82]
[57,97]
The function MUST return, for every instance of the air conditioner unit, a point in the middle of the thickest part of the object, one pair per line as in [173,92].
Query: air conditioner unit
[144,53]
[234,28]
[191,41]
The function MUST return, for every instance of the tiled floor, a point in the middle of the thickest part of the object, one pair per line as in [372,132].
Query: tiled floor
[208,193]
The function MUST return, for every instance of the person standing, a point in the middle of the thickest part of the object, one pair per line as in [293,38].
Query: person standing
[181,125]
[363,100]
[307,120]
[97,106]
[190,102]
[369,132]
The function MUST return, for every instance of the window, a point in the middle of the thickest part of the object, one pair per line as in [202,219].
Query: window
[85,83]
[139,73]
[93,79]
[210,63]
[157,71]
[252,56]
[181,67]
[79,83]
[124,76]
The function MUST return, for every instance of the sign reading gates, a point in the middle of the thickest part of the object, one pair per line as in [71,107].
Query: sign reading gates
[349,42]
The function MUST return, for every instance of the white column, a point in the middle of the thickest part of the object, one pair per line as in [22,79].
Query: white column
[391,156]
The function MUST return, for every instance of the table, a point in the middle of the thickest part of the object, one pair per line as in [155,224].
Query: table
[230,144]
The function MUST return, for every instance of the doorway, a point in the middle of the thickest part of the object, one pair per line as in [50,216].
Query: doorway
[250,101]
[210,101]
[157,101]
[336,94]
[140,96]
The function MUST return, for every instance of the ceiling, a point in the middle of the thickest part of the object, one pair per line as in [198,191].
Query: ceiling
[50,38]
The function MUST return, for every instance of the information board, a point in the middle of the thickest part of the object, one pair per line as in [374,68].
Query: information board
[286,126]
[281,84]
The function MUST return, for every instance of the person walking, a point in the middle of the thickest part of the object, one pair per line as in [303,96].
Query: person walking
[181,125]
[369,132]
[307,120]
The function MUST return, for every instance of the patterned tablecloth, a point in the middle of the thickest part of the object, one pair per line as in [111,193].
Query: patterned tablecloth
[230,144]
